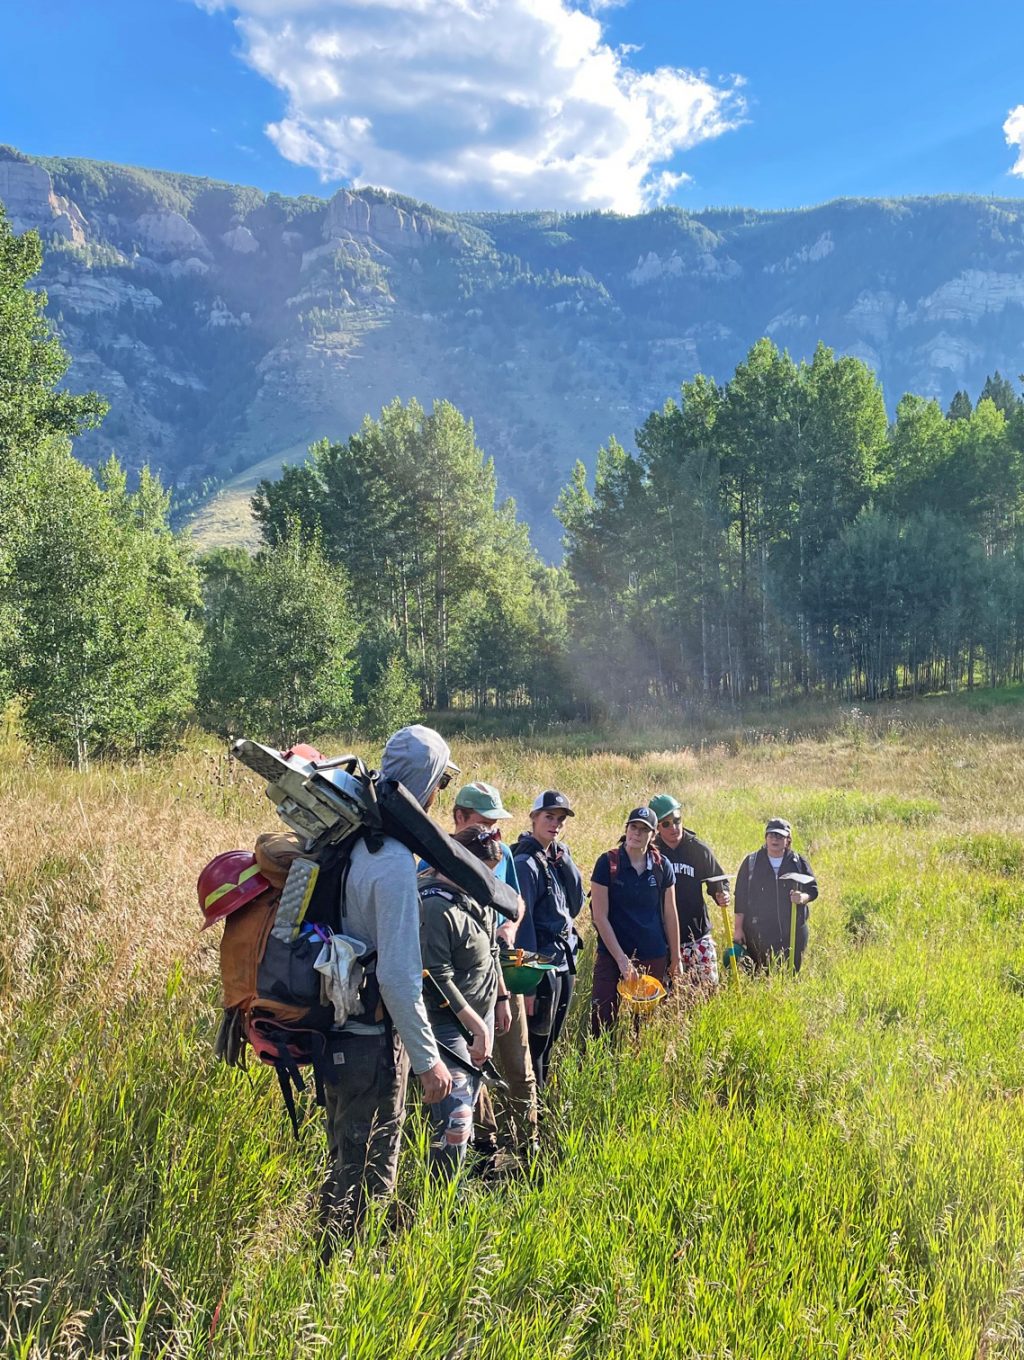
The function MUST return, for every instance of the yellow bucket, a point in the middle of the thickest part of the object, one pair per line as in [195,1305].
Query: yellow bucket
[641,994]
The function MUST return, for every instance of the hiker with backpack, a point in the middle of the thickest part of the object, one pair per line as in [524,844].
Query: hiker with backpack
[633,906]
[479,805]
[766,899]
[699,876]
[459,948]
[552,890]
[370,1056]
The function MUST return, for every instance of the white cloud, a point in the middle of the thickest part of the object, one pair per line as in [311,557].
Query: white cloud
[478,103]
[1014,130]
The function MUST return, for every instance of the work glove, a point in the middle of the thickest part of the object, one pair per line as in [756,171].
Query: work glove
[735,951]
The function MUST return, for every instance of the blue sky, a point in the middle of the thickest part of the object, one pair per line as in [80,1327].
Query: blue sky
[530,103]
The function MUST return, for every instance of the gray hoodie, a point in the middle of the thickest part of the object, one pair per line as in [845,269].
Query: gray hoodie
[416,756]
[382,905]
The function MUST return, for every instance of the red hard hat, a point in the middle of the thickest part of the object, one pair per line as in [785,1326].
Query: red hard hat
[227,883]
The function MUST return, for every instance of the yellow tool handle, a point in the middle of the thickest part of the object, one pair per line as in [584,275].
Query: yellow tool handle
[727,924]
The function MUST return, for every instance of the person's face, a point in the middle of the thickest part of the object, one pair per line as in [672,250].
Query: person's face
[670,829]
[638,837]
[470,817]
[775,843]
[547,823]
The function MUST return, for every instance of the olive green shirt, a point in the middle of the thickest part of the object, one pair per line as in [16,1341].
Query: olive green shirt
[459,946]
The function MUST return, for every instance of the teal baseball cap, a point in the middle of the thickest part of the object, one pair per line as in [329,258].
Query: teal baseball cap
[663,805]
[482,798]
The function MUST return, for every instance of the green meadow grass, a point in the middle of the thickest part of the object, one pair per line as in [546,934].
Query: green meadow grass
[828,1167]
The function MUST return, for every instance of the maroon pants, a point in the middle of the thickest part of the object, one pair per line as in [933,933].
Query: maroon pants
[604,999]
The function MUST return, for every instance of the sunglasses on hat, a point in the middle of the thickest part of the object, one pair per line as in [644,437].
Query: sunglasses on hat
[451,770]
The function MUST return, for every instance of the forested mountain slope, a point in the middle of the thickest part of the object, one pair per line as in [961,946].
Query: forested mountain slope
[228,327]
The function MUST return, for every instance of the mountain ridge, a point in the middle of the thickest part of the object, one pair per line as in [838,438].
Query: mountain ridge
[228,326]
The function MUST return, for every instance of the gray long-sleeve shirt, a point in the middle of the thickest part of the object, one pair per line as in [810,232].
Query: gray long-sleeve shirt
[382,908]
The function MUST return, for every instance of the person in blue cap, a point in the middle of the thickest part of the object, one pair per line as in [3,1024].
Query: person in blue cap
[552,889]
[633,904]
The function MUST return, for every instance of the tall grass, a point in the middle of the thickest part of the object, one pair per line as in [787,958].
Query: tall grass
[826,1167]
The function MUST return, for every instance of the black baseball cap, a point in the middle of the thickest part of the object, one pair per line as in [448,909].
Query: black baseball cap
[644,815]
[779,826]
[551,798]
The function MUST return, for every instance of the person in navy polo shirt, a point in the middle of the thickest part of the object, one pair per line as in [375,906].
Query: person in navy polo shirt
[633,905]
[552,889]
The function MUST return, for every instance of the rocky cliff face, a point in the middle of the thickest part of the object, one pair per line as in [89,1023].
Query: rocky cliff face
[26,192]
[228,328]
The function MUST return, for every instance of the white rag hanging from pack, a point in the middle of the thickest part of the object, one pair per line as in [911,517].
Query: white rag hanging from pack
[341,974]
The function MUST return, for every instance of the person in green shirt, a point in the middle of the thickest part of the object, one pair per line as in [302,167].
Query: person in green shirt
[459,948]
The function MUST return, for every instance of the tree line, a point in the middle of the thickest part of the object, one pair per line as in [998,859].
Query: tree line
[779,534]
[771,535]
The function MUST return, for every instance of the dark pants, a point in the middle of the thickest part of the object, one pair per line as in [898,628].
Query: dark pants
[365,1106]
[767,952]
[604,999]
[552,999]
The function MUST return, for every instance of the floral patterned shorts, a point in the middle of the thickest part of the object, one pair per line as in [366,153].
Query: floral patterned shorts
[700,961]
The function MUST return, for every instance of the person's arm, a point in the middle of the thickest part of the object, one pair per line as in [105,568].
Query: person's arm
[603,926]
[719,892]
[811,889]
[503,1001]
[480,1046]
[572,882]
[670,917]
[502,1014]
[738,936]
[529,890]
[809,892]
[395,905]
[508,929]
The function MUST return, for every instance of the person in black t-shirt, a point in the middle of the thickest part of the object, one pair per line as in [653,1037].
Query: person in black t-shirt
[694,863]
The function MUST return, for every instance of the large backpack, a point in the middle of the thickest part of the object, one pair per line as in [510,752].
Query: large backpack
[272,994]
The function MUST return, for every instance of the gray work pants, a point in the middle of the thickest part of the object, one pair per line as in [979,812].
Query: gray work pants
[365,1106]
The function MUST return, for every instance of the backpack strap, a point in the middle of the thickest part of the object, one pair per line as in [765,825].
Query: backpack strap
[657,862]
[437,892]
[284,1050]
[660,867]
[289,1078]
